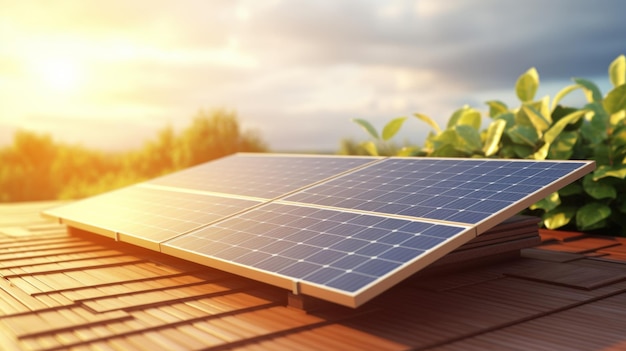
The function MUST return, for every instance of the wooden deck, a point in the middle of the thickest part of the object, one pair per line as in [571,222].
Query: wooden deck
[62,291]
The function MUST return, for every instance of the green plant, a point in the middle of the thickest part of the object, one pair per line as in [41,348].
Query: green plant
[36,167]
[381,145]
[543,129]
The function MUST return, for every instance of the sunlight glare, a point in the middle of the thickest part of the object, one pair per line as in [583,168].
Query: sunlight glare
[59,74]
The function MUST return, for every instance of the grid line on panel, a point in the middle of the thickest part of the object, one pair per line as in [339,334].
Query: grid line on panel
[455,190]
[151,214]
[340,250]
[365,212]
[260,176]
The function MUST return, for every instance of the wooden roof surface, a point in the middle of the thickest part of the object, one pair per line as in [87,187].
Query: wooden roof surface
[62,291]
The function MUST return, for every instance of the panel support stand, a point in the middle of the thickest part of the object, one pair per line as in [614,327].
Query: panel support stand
[306,303]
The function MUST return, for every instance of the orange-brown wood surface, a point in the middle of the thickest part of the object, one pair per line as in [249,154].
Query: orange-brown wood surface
[62,290]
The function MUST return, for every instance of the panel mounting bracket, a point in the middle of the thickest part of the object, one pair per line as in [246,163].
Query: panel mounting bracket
[295,287]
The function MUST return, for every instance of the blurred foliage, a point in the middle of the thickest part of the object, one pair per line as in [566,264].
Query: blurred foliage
[542,129]
[35,167]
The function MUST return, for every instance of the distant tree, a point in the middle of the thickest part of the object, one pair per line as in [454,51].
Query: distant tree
[26,167]
[35,167]
[215,134]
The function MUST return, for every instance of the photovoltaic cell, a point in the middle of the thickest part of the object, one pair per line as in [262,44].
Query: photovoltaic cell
[455,190]
[260,176]
[341,250]
[150,214]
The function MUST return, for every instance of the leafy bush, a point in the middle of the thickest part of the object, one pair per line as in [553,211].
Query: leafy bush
[35,167]
[543,129]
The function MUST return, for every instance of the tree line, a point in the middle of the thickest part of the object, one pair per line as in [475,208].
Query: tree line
[36,167]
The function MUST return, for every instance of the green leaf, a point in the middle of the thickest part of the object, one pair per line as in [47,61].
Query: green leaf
[496,108]
[617,118]
[393,127]
[618,171]
[468,138]
[448,150]
[562,147]
[408,151]
[367,126]
[571,189]
[522,119]
[448,136]
[370,147]
[494,135]
[465,116]
[554,131]
[527,84]
[543,106]
[597,189]
[558,127]
[619,137]
[597,225]
[428,121]
[602,155]
[522,151]
[508,117]
[459,141]
[548,203]
[615,100]
[429,143]
[617,71]
[591,214]
[521,134]
[590,89]
[540,122]
[559,217]
[595,129]
[562,93]
[507,151]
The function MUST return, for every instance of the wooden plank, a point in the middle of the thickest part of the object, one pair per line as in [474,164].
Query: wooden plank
[141,299]
[571,275]
[551,256]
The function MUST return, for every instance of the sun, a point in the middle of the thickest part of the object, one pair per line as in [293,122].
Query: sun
[59,74]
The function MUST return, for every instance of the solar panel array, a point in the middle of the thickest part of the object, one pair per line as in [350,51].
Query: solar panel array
[343,229]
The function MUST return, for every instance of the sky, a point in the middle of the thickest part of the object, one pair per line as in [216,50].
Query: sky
[109,74]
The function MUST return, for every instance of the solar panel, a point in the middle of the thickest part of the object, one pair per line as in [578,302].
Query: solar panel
[471,191]
[347,256]
[339,228]
[260,175]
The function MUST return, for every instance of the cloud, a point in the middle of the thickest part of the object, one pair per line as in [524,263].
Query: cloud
[299,70]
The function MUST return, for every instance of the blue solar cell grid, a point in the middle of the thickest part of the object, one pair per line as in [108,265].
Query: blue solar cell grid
[341,250]
[151,214]
[265,177]
[456,190]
